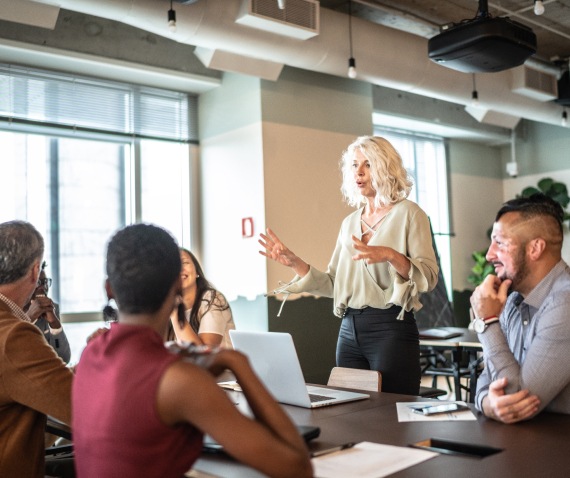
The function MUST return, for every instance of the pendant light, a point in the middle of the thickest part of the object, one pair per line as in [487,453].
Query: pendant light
[351,61]
[171,19]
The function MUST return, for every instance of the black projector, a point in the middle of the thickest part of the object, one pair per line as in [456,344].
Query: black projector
[483,45]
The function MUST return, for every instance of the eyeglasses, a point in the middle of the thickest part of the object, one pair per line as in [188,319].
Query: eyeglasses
[45,282]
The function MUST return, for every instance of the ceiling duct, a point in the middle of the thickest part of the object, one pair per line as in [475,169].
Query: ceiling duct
[482,45]
[226,61]
[386,57]
[495,118]
[299,19]
[533,83]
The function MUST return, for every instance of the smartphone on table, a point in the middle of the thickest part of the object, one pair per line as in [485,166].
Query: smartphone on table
[428,410]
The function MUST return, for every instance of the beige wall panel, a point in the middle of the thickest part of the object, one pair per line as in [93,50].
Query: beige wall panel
[303,202]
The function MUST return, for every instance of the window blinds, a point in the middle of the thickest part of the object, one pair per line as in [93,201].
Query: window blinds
[64,101]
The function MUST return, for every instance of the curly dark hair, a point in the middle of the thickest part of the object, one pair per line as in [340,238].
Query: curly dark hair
[143,263]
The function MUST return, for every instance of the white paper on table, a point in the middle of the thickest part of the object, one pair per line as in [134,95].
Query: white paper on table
[406,414]
[368,460]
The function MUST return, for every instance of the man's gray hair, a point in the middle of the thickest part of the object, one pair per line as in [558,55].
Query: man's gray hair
[20,245]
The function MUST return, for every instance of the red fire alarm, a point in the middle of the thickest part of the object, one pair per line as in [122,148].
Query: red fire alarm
[247,227]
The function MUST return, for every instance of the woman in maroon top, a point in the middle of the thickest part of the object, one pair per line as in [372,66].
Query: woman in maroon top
[139,410]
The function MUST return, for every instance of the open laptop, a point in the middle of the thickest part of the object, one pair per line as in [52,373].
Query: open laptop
[274,358]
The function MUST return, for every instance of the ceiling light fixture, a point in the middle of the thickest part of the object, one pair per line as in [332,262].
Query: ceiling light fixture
[281,4]
[512,166]
[564,121]
[474,94]
[538,7]
[171,19]
[351,61]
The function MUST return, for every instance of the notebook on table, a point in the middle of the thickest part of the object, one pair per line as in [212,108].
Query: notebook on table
[274,359]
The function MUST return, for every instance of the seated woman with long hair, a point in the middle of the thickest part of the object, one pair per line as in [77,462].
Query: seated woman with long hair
[140,410]
[208,314]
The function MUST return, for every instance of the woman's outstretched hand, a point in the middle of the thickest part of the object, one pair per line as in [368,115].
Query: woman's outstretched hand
[274,249]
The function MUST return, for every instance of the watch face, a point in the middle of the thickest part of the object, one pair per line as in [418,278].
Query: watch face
[479,325]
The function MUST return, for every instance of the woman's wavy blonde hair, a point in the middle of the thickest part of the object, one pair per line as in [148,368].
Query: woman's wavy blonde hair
[389,177]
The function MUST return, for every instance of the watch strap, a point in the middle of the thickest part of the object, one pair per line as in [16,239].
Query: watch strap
[481,324]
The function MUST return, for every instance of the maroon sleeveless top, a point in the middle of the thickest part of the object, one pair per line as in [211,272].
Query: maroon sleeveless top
[116,428]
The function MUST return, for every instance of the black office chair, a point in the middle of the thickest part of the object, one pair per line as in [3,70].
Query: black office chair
[59,457]
[438,364]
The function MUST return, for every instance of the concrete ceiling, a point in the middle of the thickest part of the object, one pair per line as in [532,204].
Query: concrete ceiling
[394,56]
[424,17]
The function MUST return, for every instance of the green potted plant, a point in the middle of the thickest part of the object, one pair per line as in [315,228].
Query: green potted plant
[553,189]
[481,269]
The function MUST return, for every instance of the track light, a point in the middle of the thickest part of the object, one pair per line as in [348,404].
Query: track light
[281,4]
[171,19]
[538,7]
[564,121]
[351,61]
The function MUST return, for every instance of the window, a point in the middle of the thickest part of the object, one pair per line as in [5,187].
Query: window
[424,158]
[82,158]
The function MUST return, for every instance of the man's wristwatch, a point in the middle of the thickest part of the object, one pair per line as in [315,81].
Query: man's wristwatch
[480,324]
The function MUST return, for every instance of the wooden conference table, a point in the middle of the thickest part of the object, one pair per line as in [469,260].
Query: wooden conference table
[467,342]
[535,448]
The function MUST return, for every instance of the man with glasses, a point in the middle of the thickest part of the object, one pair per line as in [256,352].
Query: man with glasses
[34,382]
[44,313]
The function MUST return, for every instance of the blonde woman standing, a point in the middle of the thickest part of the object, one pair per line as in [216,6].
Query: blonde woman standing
[382,262]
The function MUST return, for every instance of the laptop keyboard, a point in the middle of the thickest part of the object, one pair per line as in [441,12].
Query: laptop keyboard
[318,398]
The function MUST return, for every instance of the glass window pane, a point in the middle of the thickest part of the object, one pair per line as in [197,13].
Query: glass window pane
[25,178]
[425,160]
[78,191]
[91,208]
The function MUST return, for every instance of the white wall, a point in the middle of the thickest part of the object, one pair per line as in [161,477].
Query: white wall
[475,203]
[231,182]
[232,189]
[476,195]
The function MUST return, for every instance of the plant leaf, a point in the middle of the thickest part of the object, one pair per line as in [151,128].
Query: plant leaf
[562,199]
[559,188]
[545,184]
[527,192]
